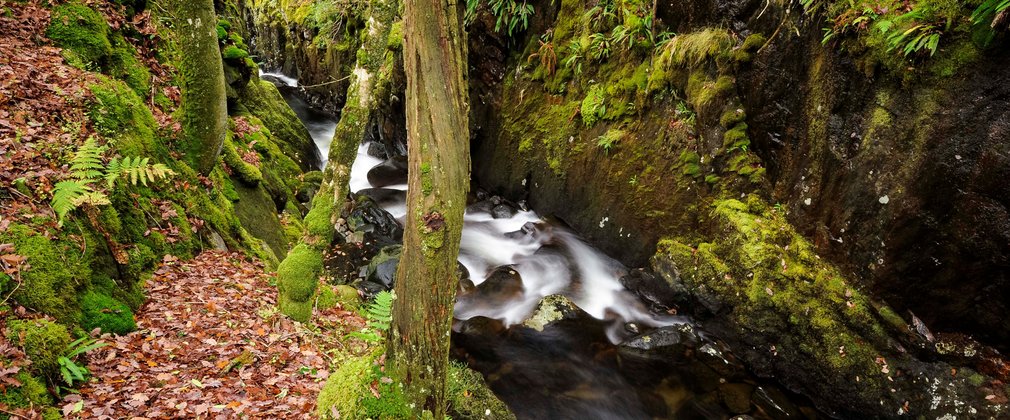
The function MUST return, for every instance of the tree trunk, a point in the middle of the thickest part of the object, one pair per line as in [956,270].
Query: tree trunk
[439,175]
[204,104]
[370,80]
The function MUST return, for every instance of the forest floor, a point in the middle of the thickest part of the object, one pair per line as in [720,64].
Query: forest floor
[211,344]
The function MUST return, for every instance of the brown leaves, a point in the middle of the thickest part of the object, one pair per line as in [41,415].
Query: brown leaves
[434,221]
[211,344]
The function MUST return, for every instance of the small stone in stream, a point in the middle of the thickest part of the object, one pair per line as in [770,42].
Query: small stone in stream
[736,397]
[551,309]
[529,230]
[377,150]
[503,211]
[653,291]
[502,285]
[670,343]
[631,327]
[390,172]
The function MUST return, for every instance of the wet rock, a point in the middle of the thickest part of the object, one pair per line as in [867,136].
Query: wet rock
[704,406]
[384,196]
[736,397]
[465,285]
[382,268]
[391,172]
[377,150]
[503,211]
[773,403]
[670,343]
[529,230]
[370,289]
[551,309]
[652,290]
[377,224]
[707,304]
[503,284]
[718,357]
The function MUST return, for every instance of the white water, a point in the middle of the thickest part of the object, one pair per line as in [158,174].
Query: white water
[569,266]
[550,259]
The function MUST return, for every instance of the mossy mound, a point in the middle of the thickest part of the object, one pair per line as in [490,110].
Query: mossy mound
[123,118]
[49,286]
[469,396]
[32,392]
[43,341]
[123,64]
[347,392]
[297,280]
[83,34]
[106,313]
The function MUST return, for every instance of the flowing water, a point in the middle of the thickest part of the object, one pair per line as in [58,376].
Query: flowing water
[320,124]
[575,368]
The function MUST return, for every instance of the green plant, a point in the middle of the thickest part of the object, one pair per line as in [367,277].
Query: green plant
[991,12]
[911,32]
[599,46]
[87,169]
[608,141]
[70,371]
[602,16]
[510,15]
[593,107]
[574,57]
[685,114]
[380,316]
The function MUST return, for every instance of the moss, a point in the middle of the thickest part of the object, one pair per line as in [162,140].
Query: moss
[593,107]
[121,116]
[246,172]
[691,163]
[49,285]
[124,65]
[43,341]
[232,52]
[326,298]
[703,92]
[110,315]
[348,391]
[736,138]
[695,48]
[745,53]
[318,221]
[31,392]
[469,396]
[732,117]
[394,41]
[82,32]
[297,279]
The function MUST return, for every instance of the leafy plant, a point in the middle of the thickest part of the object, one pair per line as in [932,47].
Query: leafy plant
[70,371]
[991,12]
[602,16]
[685,114]
[379,315]
[911,33]
[599,46]
[548,59]
[87,170]
[573,58]
[608,141]
[510,15]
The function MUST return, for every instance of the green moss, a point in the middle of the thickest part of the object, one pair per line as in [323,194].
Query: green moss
[82,32]
[110,315]
[753,42]
[691,163]
[326,298]
[297,279]
[348,297]
[319,222]
[696,48]
[348,392]
[469,396]
[246,172]
[703,92]
[124,65]
[31,392]
[394,41]
[593,107]
[56,268]
[736,138]
[123,118]
[43,341]
[232,52]
[732,117]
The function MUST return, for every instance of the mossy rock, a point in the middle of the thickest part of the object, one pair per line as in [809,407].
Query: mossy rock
[297,280]
[123,64]
[43,341]
[49,285]
[106,313]
[469,396]
[347,392]
[121,116]
[83,34]
[31,392]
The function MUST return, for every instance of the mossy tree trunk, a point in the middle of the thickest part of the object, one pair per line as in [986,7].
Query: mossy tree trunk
[439,174]
[204,104]
[369,81]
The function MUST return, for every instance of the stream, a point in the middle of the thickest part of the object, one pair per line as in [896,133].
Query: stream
[611,356]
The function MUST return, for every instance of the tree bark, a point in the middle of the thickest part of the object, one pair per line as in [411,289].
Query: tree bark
[439,175]
[204,101]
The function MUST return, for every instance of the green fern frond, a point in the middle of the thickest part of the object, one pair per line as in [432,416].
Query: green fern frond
[87,162]
[66,195]
[136,169]
[380,312]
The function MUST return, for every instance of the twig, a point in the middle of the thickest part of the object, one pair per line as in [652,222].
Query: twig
[325,83]
[11,413]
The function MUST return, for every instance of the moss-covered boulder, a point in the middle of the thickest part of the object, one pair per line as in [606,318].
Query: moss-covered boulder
[106,313]
[43,341]
[469,396]
[297,280]
[49,285]
[83,34]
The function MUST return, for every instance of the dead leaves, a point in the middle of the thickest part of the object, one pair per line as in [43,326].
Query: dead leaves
[211,344]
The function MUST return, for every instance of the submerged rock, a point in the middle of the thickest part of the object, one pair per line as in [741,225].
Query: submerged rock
[391,172]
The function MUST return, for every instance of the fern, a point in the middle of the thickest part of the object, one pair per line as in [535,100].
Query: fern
[379,315]
[987,12]
[86,169]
